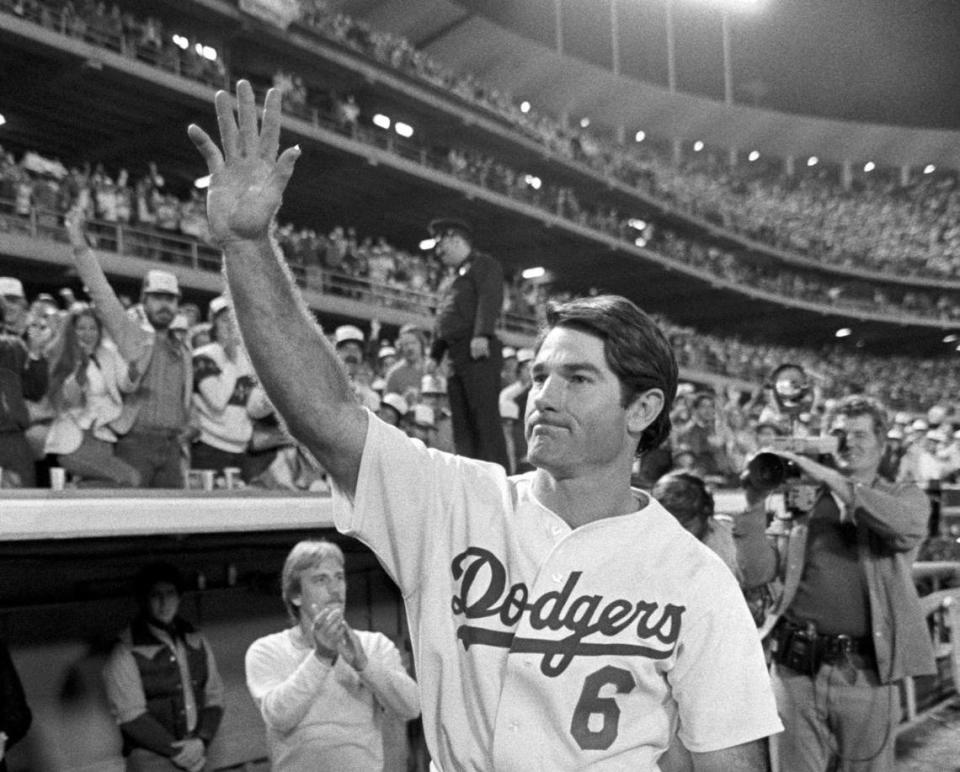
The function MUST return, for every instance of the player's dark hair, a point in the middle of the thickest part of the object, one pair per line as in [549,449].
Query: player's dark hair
[636,351]
[859,404]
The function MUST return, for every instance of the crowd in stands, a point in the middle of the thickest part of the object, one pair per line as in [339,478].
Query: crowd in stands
[876,224]
[707,189]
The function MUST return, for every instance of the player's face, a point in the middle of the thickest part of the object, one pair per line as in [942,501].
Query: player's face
[163,602]
[322,585]
[575,421]
[864,448]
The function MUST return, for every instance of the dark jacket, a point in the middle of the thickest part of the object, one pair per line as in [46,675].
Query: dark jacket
[20,378]
[471,305]
[15,714]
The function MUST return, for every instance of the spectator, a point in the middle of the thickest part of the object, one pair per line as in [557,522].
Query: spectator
[23,376]
[13,301]
[156,413]
[393,408]
[227,396]
[162,681]
[433,394]
[405,376]
[700,435]
[323,688]
[87,382]
[349,343]
[858,641]
[15,715]
[466,334]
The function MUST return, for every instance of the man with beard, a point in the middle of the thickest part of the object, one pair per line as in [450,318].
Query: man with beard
[156,412]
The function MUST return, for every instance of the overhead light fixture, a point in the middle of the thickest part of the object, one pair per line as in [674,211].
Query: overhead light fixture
[524,107]
[637,223]
[951,338]
[754,155]
[534,273]
[697,146]
[813,161]
[382,121]
[2,119]
[929,169]
[640,241]
[640,136]
[403,129]
[869,166]
[181,42]
[427,244]
[202,182]
[532,181]
[584,122]
[843,332]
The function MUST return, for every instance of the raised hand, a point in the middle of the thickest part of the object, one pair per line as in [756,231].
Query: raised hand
[247,179]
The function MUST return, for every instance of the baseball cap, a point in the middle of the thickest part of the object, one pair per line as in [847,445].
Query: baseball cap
[395,401]
[524,355]
[919,425]
[896,433]
[179,322]
[386,351]
[348,333]
[218,304]
[433,384]
[509,352]
[423,416]
[11,287]
[161,282]
[902,418]
[443,225]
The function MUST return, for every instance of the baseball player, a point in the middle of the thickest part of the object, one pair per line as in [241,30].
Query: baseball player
[559,619]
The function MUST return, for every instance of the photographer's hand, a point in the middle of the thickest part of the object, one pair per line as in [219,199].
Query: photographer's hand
[839,483]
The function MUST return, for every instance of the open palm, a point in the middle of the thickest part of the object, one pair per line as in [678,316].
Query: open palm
[247,179]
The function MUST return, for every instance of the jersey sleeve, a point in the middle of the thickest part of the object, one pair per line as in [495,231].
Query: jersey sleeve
[411,500]
[720,682]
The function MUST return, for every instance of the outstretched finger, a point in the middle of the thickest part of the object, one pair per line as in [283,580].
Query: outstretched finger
[227,123]
[247,114]
[207,147]
[270,128]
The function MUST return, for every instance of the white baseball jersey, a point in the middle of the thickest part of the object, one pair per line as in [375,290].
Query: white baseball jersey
[539,646]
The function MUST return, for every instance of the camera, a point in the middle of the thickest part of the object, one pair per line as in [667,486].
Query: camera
[767,471]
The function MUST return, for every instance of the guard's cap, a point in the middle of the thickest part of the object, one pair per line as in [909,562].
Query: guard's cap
[444,225]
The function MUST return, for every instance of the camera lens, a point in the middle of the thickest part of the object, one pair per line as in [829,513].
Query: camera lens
[766,471]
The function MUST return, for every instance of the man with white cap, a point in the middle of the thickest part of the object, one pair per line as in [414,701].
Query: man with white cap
[227,396]
[13,300]
[393,407]
[513,405]
[349,342]
[156,413]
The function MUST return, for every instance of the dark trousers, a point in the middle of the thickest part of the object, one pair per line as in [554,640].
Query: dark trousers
[473,390]
[16,461]
[156,455]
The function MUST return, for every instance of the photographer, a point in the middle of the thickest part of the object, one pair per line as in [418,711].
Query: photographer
[848,625]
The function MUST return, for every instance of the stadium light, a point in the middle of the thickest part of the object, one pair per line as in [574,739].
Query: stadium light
[382,121]
[697,146]
[202,182]
[951,338]
[640,241]
[181,42]
[584,122]
[637,224]
[640,136]
[209,53]
[532,181]
[754,155]
[813,161]
[2,119]
[403,129]
[534,273]
[524,107]
[843,332]
[869,166]
[427,244]
[929,169]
